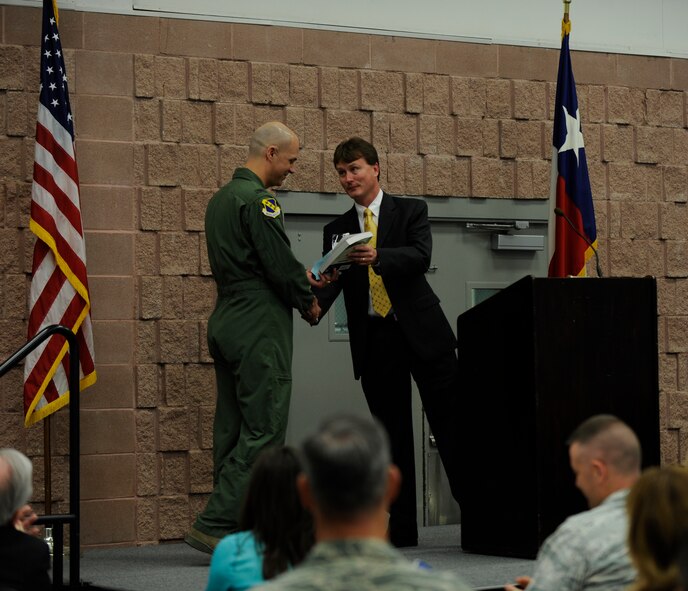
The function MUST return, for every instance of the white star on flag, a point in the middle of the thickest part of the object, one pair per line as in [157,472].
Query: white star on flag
[52,86]
[574,137]
[54,102]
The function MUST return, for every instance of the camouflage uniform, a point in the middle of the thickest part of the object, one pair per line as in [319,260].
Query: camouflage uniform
[347,565]
[259,281]
[588,551]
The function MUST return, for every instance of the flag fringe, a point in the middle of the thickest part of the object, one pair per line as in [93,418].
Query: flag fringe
[76,283]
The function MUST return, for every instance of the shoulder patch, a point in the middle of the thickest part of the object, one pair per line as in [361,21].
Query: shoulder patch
[270,207]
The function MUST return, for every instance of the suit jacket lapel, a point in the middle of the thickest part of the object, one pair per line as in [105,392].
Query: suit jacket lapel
[350,220]
[386,218]
[356,273]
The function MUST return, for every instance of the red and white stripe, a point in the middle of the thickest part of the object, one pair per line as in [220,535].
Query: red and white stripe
[59,287]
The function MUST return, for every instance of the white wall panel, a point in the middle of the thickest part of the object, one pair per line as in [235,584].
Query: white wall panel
[649,27]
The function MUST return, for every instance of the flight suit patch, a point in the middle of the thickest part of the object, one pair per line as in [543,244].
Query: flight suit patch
[270,207]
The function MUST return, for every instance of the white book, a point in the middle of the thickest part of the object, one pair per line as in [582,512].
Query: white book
[340,252]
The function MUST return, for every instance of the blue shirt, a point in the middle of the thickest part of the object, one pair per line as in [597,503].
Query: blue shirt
[237,563]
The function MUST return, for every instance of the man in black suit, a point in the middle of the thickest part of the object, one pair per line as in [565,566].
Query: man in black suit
[396,332]
[24,559]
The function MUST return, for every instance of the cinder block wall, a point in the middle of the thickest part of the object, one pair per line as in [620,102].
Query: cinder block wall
[163,111]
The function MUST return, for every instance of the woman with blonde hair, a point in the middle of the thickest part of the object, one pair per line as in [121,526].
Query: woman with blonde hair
[658,516]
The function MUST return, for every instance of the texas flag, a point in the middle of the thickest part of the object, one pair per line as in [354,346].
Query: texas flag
[570,188]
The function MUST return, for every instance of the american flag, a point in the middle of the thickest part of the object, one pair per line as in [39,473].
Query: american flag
[570,190]
[59,287]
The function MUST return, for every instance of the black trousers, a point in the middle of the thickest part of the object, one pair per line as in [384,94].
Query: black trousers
[386,382]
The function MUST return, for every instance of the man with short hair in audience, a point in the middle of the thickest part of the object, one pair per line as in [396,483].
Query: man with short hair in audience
[24,559]
[347,484]
[588,551]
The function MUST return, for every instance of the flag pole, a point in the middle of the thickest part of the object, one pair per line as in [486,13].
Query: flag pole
[47,451]
[47,467]
[567,4]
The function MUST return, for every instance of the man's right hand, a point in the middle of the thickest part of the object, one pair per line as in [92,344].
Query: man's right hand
[312,315]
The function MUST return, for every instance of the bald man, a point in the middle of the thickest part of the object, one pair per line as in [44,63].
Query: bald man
[259,282]
[588,551]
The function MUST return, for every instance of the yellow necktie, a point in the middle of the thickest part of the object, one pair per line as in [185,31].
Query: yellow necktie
[378,293]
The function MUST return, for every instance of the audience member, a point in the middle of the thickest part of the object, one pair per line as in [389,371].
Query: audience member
[24,559]
[588,551]
[24,520]
[348,483]
[658,515]
[276,531]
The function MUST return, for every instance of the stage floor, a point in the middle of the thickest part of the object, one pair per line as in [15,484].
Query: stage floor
[176,566]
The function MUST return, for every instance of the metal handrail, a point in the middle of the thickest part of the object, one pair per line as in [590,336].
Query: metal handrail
[73,518]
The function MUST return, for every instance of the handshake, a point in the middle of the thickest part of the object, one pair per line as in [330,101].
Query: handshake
[312,315]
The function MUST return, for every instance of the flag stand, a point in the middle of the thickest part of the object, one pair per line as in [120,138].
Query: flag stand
[48,484]
[47,467]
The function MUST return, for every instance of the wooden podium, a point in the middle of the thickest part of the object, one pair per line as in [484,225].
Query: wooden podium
[537,359]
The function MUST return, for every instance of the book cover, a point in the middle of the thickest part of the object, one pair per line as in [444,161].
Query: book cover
[339,254]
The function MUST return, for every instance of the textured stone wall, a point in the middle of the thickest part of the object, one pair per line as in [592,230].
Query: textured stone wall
[163,112]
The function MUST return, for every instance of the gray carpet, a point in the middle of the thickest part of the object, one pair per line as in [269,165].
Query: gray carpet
[172,567]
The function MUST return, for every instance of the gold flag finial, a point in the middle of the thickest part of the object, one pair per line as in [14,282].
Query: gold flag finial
[565,22]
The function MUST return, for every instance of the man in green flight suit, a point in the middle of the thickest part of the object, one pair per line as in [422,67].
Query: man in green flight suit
[259,281]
